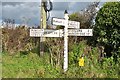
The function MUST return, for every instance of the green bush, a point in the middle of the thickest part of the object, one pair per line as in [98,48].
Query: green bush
[107,68]
[107,28]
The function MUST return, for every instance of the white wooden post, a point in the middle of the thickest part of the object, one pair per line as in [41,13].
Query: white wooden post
[65,67]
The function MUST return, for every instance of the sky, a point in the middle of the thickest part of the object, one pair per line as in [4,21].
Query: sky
[21,11]
[29,10]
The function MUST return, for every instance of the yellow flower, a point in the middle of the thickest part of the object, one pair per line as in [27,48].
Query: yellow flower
[81,61]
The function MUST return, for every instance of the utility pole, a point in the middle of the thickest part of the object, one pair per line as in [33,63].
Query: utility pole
[43,25]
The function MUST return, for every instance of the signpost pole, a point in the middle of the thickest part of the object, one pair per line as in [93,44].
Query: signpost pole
[66,42]
[42,26]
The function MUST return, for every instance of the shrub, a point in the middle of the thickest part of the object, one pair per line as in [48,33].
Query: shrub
[106,30]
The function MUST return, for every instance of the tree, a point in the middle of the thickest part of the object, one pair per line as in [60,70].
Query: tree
[86,17]
[107,28]
[9,23]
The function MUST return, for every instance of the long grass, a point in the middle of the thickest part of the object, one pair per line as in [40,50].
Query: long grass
[32,66]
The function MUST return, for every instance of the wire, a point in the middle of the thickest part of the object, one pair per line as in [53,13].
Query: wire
[46,8]
[48,15]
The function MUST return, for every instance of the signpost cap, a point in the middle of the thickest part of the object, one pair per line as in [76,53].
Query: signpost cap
[66,12]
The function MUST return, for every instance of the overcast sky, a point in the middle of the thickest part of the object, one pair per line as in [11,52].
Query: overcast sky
[29,10]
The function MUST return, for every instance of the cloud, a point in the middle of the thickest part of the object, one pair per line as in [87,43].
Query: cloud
[0,13]
[12,3]
[59,7]
[30,10]
[0,10]
[61,0]
[21,0]
[0,22]
[72,4]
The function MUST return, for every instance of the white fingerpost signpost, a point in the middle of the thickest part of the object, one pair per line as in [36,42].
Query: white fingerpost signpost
[63,33]
[65,67]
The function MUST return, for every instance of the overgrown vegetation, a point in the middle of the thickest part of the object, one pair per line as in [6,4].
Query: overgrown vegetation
[31,65]
[17,40]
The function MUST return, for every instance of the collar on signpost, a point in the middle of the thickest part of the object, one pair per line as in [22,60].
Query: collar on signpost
[66,15]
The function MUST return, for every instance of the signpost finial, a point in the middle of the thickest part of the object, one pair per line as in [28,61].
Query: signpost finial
[65,12]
